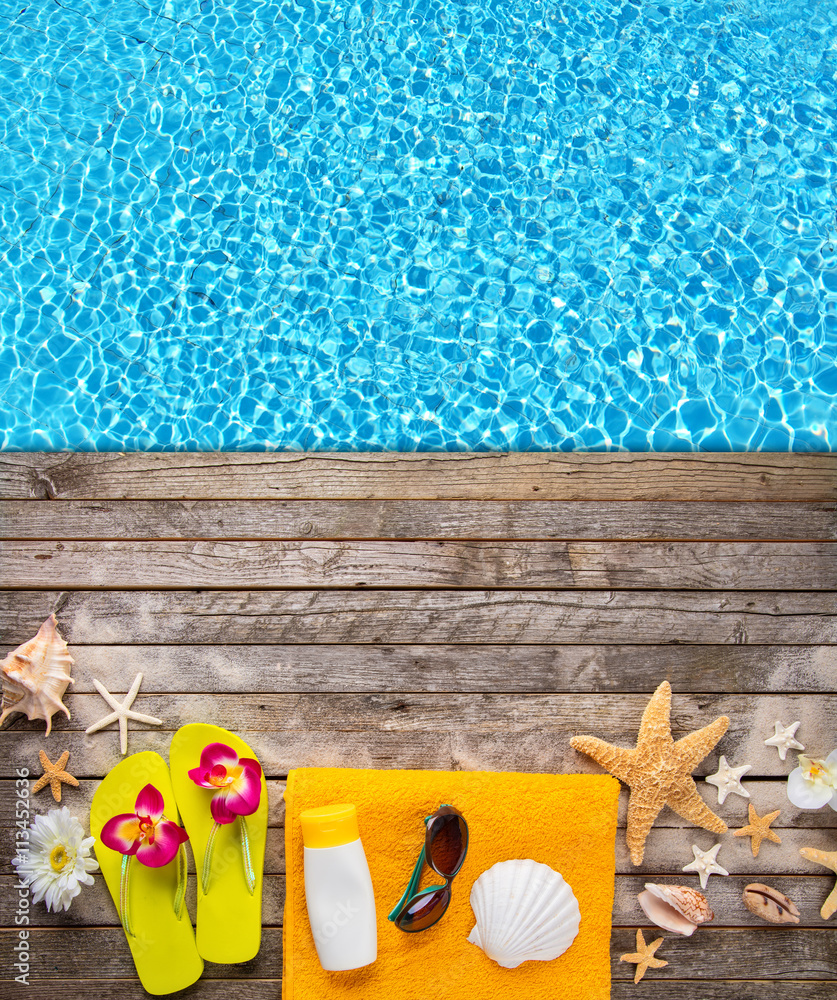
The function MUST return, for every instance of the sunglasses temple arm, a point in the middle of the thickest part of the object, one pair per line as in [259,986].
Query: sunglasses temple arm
[411,889]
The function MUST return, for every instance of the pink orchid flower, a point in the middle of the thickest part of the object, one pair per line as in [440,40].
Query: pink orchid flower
[145,833]
[237,783]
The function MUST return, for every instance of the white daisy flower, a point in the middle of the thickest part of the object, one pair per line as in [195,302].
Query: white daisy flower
[814,782]
[57,862]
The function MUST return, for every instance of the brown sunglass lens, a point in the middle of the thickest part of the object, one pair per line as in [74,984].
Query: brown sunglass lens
[424,911]
[449,842]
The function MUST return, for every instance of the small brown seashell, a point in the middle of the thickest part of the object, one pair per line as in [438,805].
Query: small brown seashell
[676,908]
[770,904]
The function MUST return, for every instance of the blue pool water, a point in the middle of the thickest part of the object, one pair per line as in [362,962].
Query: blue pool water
[506,224]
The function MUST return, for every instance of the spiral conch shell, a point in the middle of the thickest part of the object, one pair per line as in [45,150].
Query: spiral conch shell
[525,911]
[36,675]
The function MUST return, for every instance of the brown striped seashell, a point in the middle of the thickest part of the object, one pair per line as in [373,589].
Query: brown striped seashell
[675,908]
[36,675]
[770,904]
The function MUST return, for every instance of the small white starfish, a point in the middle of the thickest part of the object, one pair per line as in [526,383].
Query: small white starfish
[706,864]
[783,739]
[122,712]
[727,780]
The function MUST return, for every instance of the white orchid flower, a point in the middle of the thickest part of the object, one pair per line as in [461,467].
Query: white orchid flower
[814,782]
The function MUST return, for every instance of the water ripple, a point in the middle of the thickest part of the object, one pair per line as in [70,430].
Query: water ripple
[419,225]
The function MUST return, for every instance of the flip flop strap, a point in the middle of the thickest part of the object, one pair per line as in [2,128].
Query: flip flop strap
[180,895]
[249,871]
[125,886]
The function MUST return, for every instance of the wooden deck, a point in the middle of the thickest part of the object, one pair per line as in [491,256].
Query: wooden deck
[439,611]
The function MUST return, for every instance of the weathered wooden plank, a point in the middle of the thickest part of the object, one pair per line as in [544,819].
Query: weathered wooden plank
[280,750]
[386,475]
[545,722]
[533,669]
[370,519]
[258,989]
[806,953]
[94,907]
[706,989]
[803,954]
[537,564]
[420,616]
[724,895]
[95,757]
[766,795]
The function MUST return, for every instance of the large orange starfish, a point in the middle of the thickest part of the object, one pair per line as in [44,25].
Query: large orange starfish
[828,859]
[658,770]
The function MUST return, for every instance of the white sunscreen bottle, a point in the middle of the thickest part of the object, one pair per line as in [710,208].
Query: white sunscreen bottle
[338,889]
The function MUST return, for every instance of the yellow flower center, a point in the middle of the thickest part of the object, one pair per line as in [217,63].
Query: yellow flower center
[59,858]
[221,781]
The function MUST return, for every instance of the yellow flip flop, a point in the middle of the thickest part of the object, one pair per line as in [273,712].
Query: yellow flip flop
[222,796]
[139,847]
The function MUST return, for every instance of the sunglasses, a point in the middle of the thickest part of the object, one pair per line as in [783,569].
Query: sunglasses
[444,850]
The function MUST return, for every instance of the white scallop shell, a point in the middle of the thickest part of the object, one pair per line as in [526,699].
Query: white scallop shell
[525,911]
[36,675]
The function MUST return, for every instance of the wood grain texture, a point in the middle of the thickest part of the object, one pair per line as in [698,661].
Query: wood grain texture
[806,953]
[416,616]
[484,668]
[259,989]
[442,519]
[528,751]
[173,565]
[229,581]
[474,728]
[803,954]
[386,475]
[95,908]
[707,989]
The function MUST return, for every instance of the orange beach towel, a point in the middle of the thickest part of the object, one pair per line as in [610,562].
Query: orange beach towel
[565,821]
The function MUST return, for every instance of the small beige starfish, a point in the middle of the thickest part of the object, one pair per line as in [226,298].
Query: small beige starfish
[122,712]
[759,829]
[705,864]
[728,780]
[658,770]
[828,859]
[784,739]
[643,957]
[54,774]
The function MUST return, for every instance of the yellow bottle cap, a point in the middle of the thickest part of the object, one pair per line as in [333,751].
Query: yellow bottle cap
[329,826]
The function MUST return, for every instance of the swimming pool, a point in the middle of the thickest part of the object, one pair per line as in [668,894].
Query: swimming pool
[607,224]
